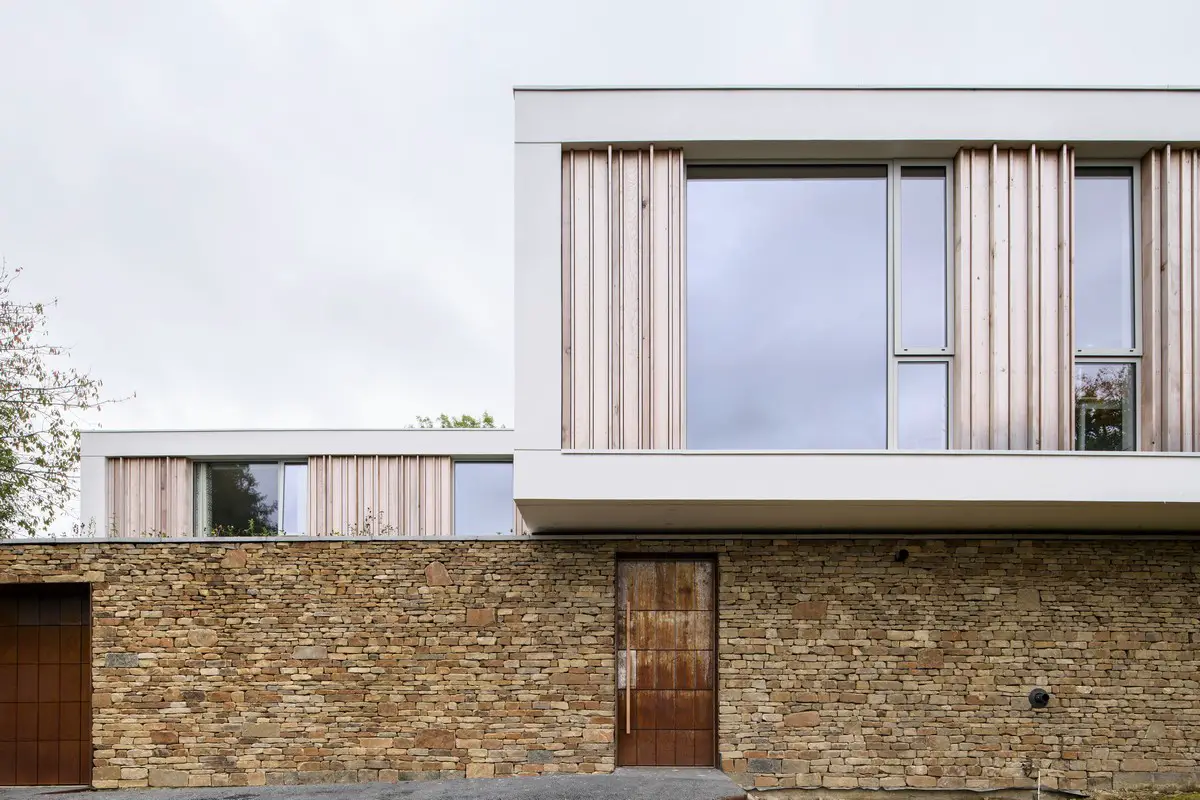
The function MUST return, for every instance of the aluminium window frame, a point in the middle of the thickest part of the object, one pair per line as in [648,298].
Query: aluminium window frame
[1132,356]
[896,353]
[202,526]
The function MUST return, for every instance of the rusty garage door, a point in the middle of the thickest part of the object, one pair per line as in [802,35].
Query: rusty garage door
[45,685]
[666,671]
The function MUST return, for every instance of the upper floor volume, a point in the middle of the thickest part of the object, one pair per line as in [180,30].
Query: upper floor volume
[857,307]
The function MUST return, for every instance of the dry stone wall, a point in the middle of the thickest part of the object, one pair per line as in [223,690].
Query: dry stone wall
[219,663]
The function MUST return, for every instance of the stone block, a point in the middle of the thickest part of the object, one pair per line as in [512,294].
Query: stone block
[802,719]
[436,574]
[479,617]
[234,559]
[261,730]
[202,637]
[540,757]
[435,739]
[481,770]
[811,610]
[307,652]
[168,777]
[930,658]
[1029,599]
[121,660]
[761,766]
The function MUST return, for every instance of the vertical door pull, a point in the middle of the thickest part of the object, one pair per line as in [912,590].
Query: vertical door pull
[628,663]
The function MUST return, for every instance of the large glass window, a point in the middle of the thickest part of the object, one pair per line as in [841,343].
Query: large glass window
[483,498]
[794,339]
[1104,295]
[251,498]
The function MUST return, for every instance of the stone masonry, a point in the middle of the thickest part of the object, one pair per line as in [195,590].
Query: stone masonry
[220,663]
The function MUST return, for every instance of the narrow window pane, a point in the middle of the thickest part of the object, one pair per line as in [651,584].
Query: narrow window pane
[787,311]
[922,257]
[923,413]
[295,498]
[243,499]
[483,498]
[1104,259]
[1104,407]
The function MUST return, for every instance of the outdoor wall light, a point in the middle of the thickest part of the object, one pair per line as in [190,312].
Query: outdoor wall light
[1039,698]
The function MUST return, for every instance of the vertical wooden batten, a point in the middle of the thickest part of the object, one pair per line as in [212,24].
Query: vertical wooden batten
[1013,262]
[381,495]
[149,497]
[623,297]
[1169,384]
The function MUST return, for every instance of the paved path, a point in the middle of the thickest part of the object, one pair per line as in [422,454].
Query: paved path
[624,784]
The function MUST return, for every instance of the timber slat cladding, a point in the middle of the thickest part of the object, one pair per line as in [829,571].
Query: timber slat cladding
[380,495]
[45,686]
[149,497]
[666,694]
[623,296]
[1013,255]
[1170,275]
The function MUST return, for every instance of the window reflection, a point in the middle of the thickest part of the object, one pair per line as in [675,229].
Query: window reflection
[243,499]
[483,498]
[923,405]
[1104,407]
[922,257]
[295,498]
[787,308]
[1103,280]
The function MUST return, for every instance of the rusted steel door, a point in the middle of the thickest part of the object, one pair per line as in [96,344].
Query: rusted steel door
[666,615]
[45,685]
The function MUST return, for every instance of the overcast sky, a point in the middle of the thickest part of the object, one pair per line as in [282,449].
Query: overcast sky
[300,213]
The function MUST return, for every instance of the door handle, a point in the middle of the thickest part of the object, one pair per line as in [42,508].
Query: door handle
[628,664]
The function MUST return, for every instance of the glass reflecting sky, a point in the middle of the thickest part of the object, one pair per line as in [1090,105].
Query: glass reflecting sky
[483,498]
[1103,292]
[923,257]
[295,498]
[922,405]
[787,313]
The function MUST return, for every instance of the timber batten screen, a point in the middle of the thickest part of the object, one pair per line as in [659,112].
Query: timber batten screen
[380,495]
[1013,256]
[1169,384]
[623,289]
[148,497]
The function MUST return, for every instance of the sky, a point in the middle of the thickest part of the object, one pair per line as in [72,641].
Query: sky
[299,214]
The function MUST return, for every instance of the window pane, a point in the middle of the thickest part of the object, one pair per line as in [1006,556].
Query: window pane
[787,311]
[1104,260]
[243,499]
[1104,407]
[922,257]
[483,498]
[295,498]
[923,412]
